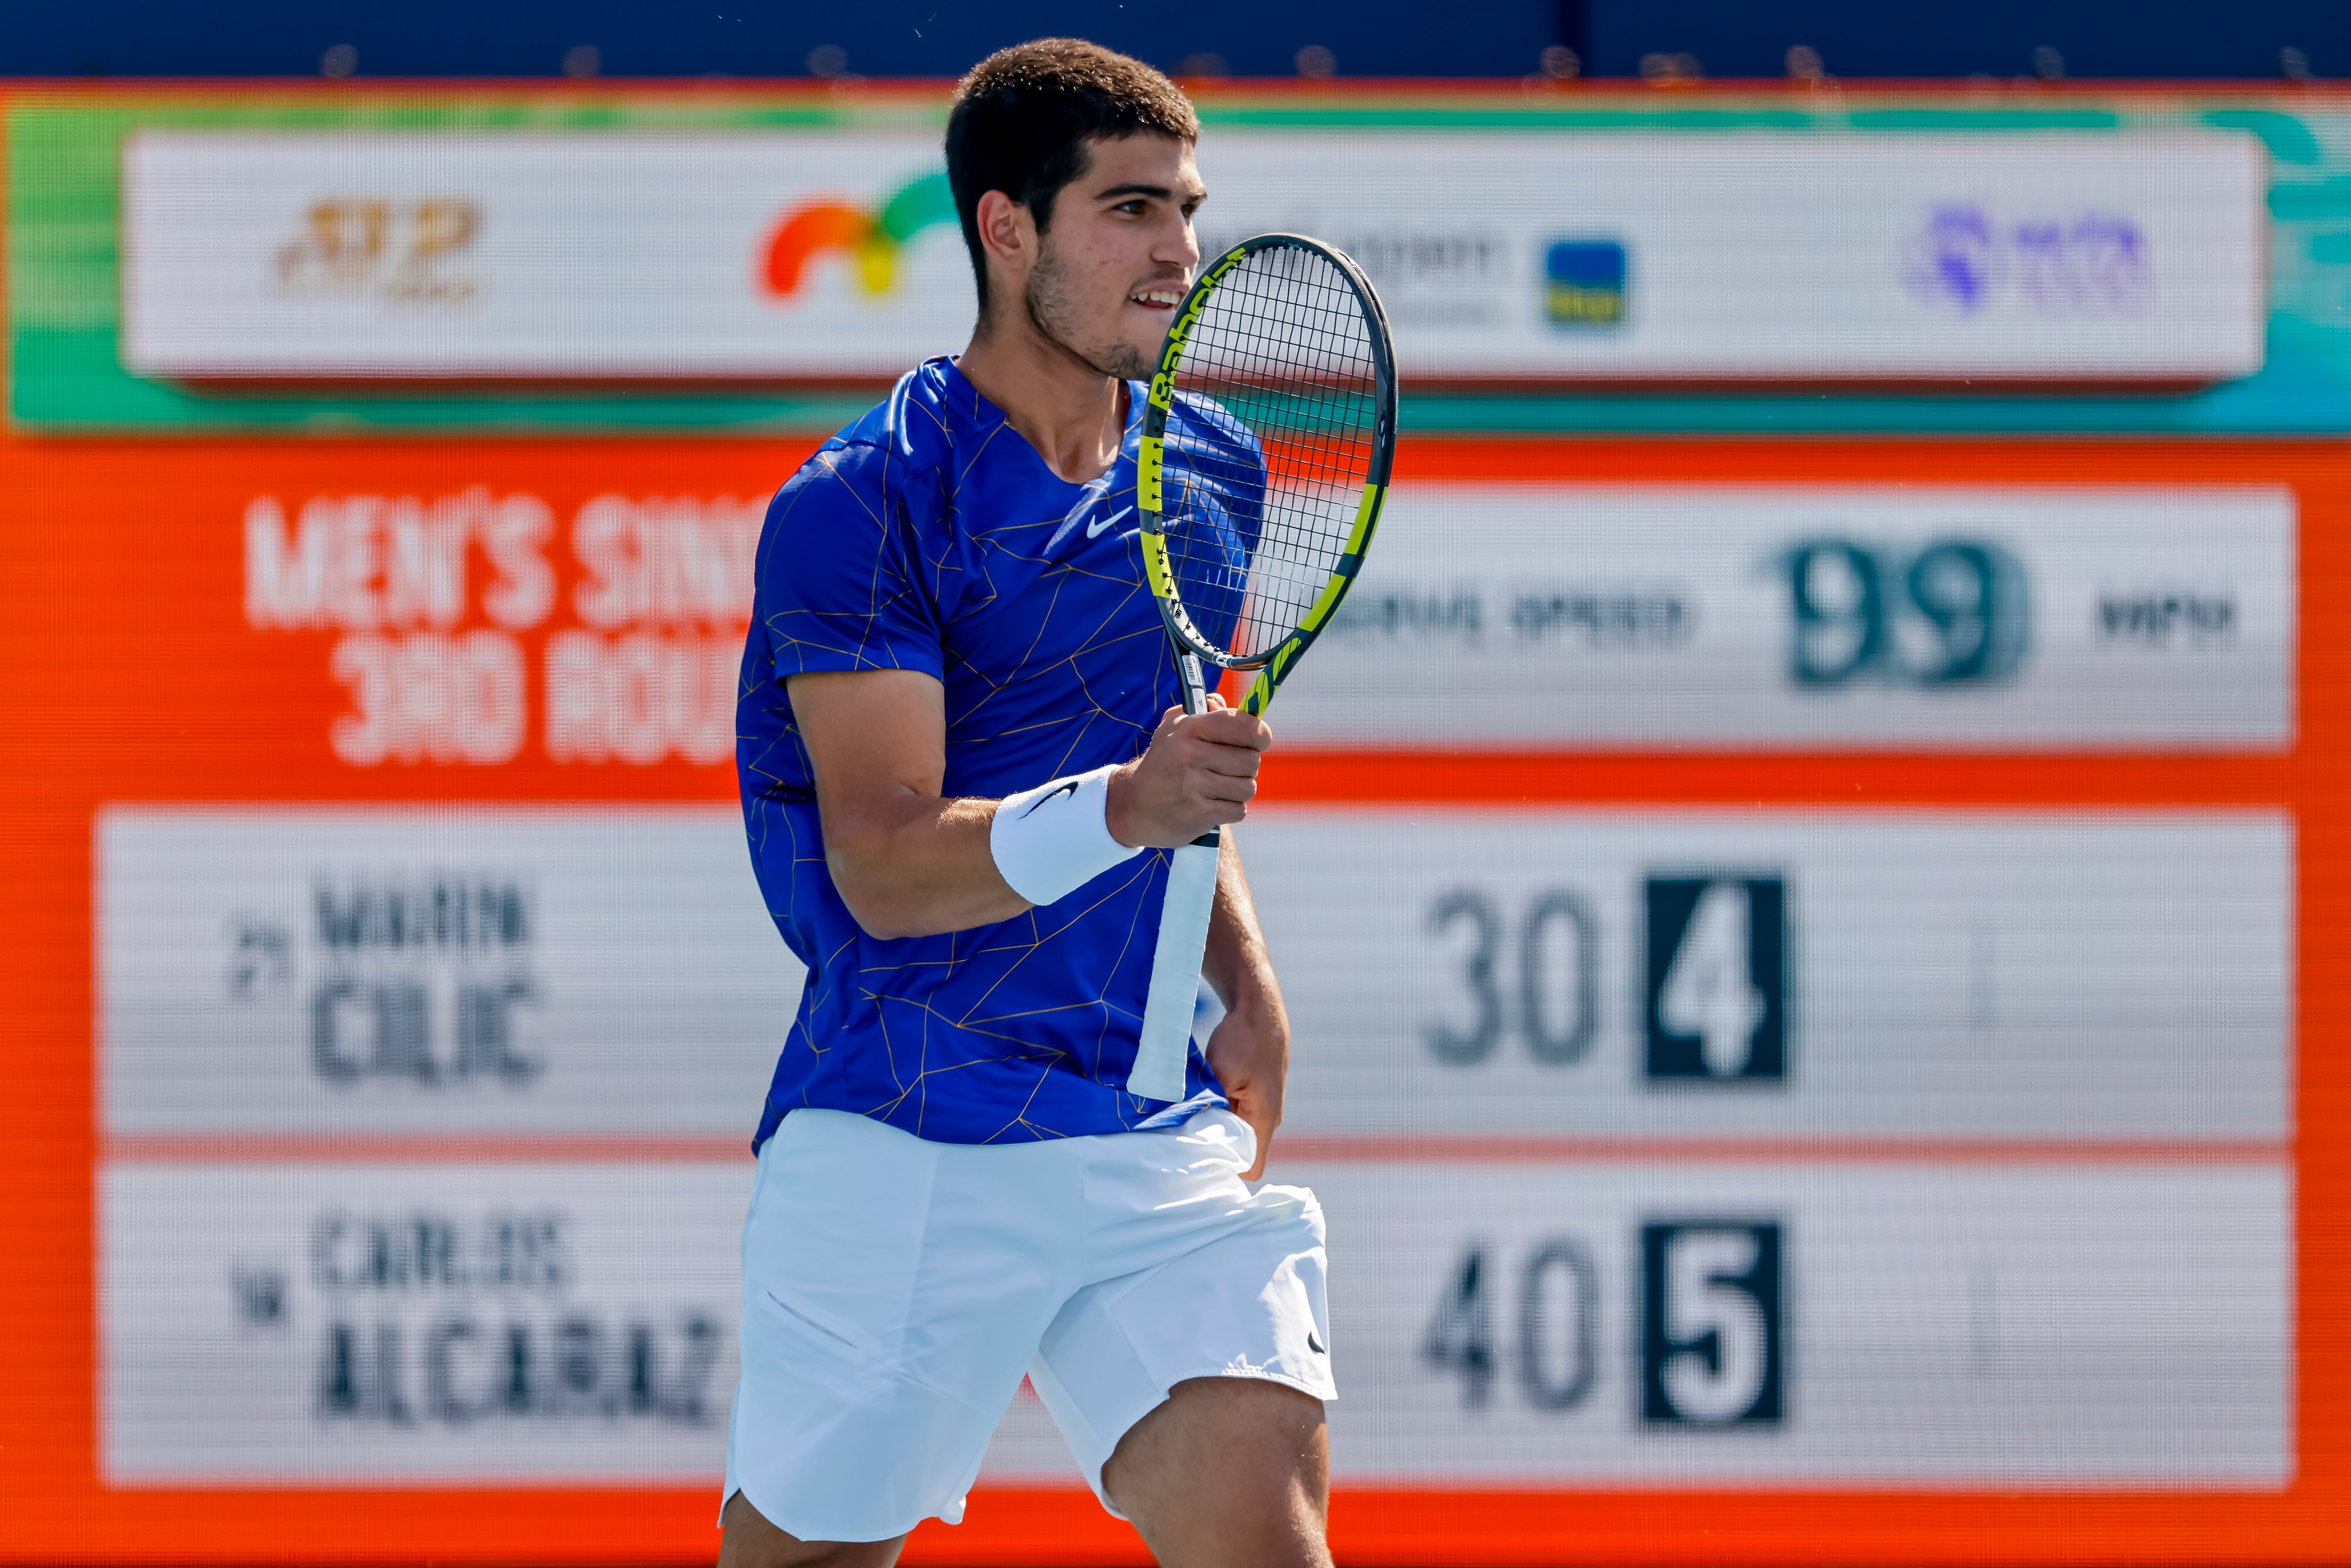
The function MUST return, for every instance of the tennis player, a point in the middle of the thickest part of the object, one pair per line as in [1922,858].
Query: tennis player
[963,767]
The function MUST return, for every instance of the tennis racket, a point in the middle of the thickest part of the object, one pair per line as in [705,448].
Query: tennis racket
[1266,446]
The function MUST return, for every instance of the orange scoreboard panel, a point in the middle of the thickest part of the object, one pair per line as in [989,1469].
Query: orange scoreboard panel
[1813,966]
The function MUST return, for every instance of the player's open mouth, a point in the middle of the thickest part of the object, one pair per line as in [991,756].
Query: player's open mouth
[1158,298]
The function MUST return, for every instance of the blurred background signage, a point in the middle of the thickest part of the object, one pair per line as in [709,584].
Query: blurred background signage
[730,262]
[1500,257]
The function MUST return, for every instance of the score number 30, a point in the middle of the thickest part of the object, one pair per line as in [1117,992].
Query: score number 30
[1714,993]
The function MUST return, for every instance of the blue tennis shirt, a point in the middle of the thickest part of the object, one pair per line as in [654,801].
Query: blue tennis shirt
[930,536]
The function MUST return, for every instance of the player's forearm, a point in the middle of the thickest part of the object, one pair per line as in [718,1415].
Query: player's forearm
[1250,1049]
[908,864]
[1236,964]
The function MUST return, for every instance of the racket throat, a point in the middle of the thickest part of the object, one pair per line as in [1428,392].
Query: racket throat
[1194,689]
[1164,1052]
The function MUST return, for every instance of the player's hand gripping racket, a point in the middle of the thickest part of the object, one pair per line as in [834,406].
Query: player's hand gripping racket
[1265,458]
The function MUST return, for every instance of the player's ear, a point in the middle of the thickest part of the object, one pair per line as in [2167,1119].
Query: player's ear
[1007,233]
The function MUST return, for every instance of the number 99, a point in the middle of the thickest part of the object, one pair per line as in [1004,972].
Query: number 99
[1961,616]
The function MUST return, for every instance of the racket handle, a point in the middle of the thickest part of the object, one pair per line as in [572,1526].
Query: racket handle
[1167,1046]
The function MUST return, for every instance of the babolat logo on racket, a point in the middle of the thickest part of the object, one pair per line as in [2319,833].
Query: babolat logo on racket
[1177,334]
[1182,328]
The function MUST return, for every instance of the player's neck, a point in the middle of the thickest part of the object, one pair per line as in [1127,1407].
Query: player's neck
[1075,415]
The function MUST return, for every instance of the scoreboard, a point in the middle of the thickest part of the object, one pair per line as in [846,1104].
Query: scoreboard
[1813,962]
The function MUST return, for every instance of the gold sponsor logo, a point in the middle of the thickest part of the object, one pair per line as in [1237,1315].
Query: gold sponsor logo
[408,252]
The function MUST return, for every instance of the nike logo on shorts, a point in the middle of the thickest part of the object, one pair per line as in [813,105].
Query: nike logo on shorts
[1314,1344]
[1093,530]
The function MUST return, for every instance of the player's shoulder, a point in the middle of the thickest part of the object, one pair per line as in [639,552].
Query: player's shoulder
[906,443]
[1197,421]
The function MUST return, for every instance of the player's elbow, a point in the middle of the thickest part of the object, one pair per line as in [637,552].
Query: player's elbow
[883,923]
[883,908]
[879,912]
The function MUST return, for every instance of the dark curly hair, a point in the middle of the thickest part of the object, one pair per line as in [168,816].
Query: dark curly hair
[1022,117]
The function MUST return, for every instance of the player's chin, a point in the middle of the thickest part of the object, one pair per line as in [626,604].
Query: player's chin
[1143,334]
[1129,360]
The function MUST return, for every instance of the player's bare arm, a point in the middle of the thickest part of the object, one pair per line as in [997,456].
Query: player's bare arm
[910,862]
[1249,1050]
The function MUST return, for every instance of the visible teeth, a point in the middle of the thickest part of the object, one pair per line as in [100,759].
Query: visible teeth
[1158,296]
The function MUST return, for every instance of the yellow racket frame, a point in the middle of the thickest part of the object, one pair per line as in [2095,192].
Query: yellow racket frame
[1276,663]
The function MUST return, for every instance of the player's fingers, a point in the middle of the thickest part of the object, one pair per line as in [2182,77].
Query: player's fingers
[1230,727]
[1248,1105]
[1216,813]
[1224,798]
[1227,787]
[1231,761]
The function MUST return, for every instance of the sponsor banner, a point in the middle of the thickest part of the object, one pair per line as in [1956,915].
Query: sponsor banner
[1733,258]
[444,973]
[1512,1324]
[1449,973]
[1788,616]
[463,1325]
[1880,975]
[1661,1325]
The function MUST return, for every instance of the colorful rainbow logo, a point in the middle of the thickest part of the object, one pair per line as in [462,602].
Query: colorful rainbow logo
[870,238]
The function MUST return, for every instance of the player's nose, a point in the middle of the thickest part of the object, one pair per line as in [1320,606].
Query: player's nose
[1180,246]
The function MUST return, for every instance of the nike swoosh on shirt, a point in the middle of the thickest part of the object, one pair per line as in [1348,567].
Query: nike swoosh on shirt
[1086,500]
[1093,530]
[1314,1344]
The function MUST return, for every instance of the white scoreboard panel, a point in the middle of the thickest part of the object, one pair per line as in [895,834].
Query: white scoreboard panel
[479,970]
[1952,1148]
[1808,1324]
[1449,970]
[475,1324]
[1931,617]
[1515,1323]
[1983,975]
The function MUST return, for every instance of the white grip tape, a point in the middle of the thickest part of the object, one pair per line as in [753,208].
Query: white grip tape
[1166,1044]
[1051,840]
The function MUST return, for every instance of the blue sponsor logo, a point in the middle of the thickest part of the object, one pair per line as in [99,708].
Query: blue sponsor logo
[1966,259]
[1584,284]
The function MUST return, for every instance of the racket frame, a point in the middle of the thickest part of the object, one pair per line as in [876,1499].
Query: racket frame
[1275,663]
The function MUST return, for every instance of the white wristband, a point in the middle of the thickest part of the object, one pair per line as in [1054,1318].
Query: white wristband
[1053,840]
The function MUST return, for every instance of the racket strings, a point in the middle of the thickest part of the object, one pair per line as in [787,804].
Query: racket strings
[1263,499]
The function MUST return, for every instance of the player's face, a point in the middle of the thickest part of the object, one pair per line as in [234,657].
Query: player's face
[1113,267]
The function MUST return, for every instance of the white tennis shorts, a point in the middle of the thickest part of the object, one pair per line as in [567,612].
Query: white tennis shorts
[895,1290]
